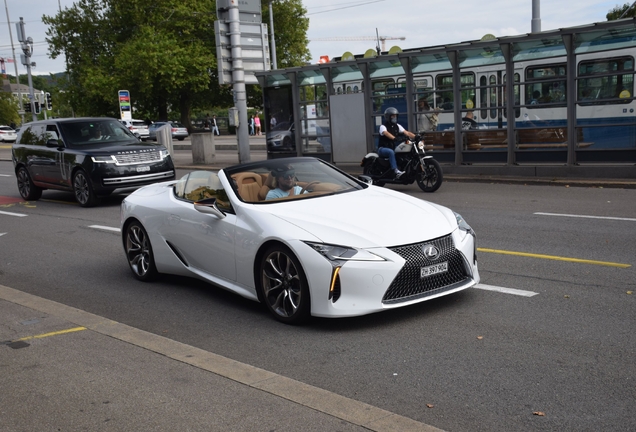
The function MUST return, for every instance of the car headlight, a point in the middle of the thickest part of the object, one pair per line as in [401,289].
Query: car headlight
[462,224]
[103,159]
[278,137]
[163,153]
[343,253]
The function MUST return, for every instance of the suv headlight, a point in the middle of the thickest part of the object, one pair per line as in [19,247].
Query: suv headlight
[163,154]
[103,159]
[343,253]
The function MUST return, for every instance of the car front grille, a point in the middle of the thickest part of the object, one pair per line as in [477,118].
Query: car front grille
[409,285]
[138,158]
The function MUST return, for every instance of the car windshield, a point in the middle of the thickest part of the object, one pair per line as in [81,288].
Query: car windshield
[88,132]
[6,128]
[277,180]
[281,126]
[177,125]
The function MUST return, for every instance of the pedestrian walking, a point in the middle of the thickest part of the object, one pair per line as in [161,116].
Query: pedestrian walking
[257,125]
[215,127]
[252,125]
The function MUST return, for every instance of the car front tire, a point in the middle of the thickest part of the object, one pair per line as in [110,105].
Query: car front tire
[283,285]
[83,190]
[28,191]
[139,252]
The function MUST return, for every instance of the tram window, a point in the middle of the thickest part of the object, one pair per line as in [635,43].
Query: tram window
[444,85]
[492,91]
[593,89]
[545,85]
[517,97]
[483,102]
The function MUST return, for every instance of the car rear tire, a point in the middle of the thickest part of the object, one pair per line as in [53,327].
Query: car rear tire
[283,285]
[83,189]
[28,191]
[139,252]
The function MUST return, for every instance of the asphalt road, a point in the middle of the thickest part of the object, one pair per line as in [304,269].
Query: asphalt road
[555,355]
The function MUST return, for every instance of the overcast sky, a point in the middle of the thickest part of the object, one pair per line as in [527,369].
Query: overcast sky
[422,22]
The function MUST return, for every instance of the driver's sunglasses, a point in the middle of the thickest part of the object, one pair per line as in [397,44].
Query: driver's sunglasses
[288,174]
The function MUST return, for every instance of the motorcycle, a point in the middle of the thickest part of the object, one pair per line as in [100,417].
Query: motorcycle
[411,158]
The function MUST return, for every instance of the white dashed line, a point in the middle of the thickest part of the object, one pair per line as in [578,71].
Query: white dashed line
[5,175]
[105,228]
[13,214]
[506,290]
[586,217]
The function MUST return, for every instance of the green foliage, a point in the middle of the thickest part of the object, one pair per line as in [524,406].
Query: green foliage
[290,32]
[8,109]
[162,51]
[617,11]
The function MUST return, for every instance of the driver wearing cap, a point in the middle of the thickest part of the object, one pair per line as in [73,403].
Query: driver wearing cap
[285,179]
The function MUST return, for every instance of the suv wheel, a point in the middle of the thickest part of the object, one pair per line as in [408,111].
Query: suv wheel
[28,191]
[83,189]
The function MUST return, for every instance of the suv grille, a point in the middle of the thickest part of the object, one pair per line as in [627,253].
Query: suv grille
[409,285]
[138,158]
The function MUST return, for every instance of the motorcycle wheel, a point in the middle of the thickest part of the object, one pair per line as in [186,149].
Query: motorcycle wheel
[431,179]
[368,171]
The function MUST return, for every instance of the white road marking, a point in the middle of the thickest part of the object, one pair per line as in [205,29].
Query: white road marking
[586,217]
[13,214]
[506,290]
[5,175]
[1,234]
[106,228]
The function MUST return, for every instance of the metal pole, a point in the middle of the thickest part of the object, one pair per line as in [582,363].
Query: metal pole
[238,79]
[15,63]
[271,34]
[536,16]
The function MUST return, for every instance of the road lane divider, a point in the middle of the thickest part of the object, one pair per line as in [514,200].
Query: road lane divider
[55,333]
[554,257]
[506,290]
[13,214]
[586,216]
[105,228]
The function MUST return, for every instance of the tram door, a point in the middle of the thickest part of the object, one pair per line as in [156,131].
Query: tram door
[489,110]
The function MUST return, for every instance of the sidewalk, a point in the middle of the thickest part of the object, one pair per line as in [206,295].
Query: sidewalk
[67,369]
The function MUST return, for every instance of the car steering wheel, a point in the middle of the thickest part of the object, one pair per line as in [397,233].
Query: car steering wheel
[313,183]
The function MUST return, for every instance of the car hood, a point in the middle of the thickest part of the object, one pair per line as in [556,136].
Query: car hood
[126,147]
[368,218]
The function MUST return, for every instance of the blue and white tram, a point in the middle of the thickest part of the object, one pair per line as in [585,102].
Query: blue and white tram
[605,104]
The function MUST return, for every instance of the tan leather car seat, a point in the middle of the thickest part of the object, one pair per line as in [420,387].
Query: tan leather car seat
[248,184]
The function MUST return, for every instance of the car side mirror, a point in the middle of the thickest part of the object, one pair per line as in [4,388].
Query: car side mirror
[366,179]
[208,206]
[52,143]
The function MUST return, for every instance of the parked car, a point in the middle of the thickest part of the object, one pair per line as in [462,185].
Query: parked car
[7,134]
[91,157]
[179,132]
[139,128]
[281,137]
[317,251]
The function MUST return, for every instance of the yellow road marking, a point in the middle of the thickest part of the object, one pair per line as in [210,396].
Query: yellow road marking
[55,333]
[553,257]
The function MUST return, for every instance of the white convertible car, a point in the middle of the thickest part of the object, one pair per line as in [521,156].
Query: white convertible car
[331,246]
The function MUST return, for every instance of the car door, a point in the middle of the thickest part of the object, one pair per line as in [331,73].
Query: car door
[40,159]
[205,241]
[58,173]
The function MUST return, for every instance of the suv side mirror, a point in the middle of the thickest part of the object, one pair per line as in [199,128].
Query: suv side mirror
[52,143]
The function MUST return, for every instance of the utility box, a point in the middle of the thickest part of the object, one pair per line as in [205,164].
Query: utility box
[203,151]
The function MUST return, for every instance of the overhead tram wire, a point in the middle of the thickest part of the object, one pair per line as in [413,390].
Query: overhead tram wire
[345,7]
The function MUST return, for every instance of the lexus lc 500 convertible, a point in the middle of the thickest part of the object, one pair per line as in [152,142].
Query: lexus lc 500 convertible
[300,236]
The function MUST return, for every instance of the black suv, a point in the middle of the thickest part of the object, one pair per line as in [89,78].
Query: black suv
[89,156]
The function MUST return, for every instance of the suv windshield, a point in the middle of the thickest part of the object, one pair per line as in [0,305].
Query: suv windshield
[95,131]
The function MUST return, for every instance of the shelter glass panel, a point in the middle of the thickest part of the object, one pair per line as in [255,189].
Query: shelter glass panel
[546,47]
[606,81]
[444,88]
[606,39]
[545,85]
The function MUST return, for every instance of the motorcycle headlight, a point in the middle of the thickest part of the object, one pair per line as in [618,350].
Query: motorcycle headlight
[343,253]
[420,145]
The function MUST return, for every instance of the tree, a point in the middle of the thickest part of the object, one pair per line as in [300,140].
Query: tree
[8,109]
[162,51]
[618,11]
[290,32]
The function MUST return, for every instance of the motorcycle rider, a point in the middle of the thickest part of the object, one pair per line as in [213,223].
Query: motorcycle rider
[389,130]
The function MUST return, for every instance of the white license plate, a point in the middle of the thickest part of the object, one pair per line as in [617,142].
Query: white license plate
[143,168]
[434,269]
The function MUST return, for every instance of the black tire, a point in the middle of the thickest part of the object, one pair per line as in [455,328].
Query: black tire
[431,179]
[139,252]
[287,142]
[83,190]
[28,191]
[283,285]
[367,171]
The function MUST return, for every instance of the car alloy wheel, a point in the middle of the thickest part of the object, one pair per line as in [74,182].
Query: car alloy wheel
[28,191]
[139,252]
[83,189]
[284,286]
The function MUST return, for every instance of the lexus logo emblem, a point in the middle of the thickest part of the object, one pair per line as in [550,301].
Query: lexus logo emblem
[430,251]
